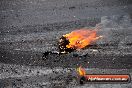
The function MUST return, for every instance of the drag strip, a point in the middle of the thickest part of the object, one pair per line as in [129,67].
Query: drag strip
[38,76]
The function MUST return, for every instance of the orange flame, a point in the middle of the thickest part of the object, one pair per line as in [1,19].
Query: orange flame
[81,38]
[81,71]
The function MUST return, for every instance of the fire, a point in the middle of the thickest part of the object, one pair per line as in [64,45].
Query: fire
[81,71]
[81,38]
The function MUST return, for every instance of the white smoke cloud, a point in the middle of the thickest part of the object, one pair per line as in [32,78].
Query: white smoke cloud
[116,29]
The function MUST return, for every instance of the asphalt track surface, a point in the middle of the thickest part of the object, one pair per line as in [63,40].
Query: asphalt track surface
[30,28]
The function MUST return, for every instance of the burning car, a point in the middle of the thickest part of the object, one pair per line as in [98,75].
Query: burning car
[77,40]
